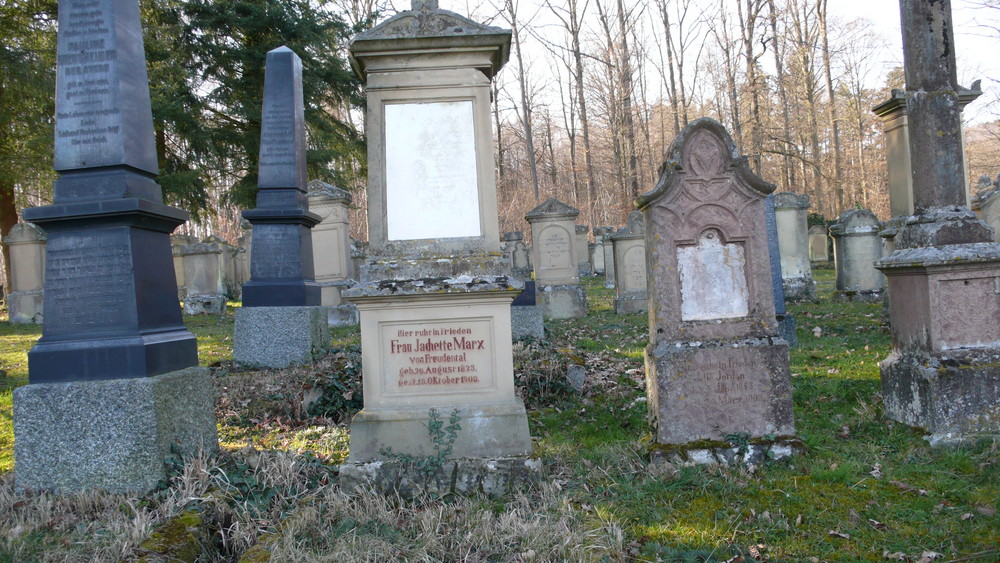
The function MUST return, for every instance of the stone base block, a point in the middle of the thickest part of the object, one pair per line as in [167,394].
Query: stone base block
[205,305]
[443,266]
[25,307]
[111,434]
[487,431]
[799,289]
[751,454]
[953,395]
[562,301]
[868,296]
[491,477]
[786,328]
[343,315]
[526,321]
[631,303]
[278,337]
[584,270]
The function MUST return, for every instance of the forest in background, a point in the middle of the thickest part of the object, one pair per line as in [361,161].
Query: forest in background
[593,94]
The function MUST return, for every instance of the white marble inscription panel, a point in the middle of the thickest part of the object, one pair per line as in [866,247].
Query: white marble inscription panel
[431,184]
[713,279]
[444,357]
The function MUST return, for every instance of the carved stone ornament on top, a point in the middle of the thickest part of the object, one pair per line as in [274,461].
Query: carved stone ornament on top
[707,241]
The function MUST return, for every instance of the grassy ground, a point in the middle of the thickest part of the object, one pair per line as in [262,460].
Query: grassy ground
[865,489]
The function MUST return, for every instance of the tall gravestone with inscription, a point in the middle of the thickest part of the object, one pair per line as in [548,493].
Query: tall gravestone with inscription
[943,374]
[281,322]
[114,385]
[716,365]
[435,293]
[630,263]
[557,274]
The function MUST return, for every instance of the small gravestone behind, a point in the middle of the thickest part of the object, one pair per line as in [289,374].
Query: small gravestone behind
[857,246]
[790,211]
[819,245]
[630,263]
[26,243]
[785,320]
[585,268]
[332,250]
[717,371]
[609,260]
[203,277]
[553,235]
[597,251]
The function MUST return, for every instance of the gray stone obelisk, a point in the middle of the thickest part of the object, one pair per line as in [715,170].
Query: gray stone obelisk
[281,322]
[113,383]
[944,295]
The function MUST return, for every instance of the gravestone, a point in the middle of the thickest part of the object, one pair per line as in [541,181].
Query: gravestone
[26,243]
[204,292]
[630,266]
[582,251]
[819,244]
[244,244]
[114,388]
[609,261]
[435,292]
[520,258]
[857,246]
[987,205]
[942,375]
[790,211]
[557,276]
[176,241]
[785,320]
[715,365]
[281,322]
[597,252]
[332,250]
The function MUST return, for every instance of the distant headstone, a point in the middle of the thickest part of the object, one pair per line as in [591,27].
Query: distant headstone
[716,366]
[790,212]
[332,250]
[987,204]
[785,320]
[114,387]
[27,267]
[585,268]
[553,235]
[520,257]
[203,272]
[609,260]
[857,246]
[630,265]
[597,252]
[819,244]
[281,265]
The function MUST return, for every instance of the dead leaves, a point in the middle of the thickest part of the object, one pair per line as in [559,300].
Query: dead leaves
[925,557]
[908,488]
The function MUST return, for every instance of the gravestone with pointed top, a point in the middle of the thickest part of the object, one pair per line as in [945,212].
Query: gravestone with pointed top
[114,386]
[554,256]
[716,366]
[281,322]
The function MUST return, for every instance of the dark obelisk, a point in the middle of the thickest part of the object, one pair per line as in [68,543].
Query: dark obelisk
[114,386]
[944,294]
[278,325]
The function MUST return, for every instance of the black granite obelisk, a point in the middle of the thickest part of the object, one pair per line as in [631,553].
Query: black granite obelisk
[110,298]
[281,265]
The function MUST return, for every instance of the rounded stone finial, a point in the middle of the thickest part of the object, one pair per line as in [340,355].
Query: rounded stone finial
[426,5]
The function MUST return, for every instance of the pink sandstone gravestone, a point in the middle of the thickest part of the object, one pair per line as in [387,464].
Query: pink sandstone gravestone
[717,369]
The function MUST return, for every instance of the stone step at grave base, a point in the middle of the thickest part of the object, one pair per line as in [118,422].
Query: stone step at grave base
[868,296]
[25,307]
[752,453]
[799,289]
[636,302]
[493,477]
[343,315]
[205,305]
[279,337]
[526,322]
[111,434]
[562,301]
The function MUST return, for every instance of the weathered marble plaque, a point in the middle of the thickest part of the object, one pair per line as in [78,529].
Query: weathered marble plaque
[438,357]
[713,279]
[432,188]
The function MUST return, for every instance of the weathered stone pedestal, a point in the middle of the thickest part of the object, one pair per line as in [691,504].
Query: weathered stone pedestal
[112,434]
[526,319]
[203,278]
[279,337]
[790,213]
[857,247]
[717,371]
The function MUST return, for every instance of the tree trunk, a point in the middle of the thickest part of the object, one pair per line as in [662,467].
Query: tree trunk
[838,180]
[788,178]
[525,105]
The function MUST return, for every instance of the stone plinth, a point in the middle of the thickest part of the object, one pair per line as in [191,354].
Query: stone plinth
[857,247]
[111,435]
[332,262]
[26,243]
[819,245]
[203,277]
[790,212]
[715,365]
[279,337]
[630,266]
[584,267]
[557,276]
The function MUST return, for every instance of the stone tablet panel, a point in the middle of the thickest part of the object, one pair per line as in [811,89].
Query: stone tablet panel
[713,279]
[634,268]
[88,283]
[554,248]
[440,358]
[275,252]
[431,181]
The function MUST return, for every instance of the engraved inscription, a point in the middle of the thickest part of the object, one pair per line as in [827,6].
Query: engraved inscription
[88,280]
[713,279]
[554,248]
[635,269]
[435,357]
[277,136]
[275,252]
[87,113]
[731,382]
